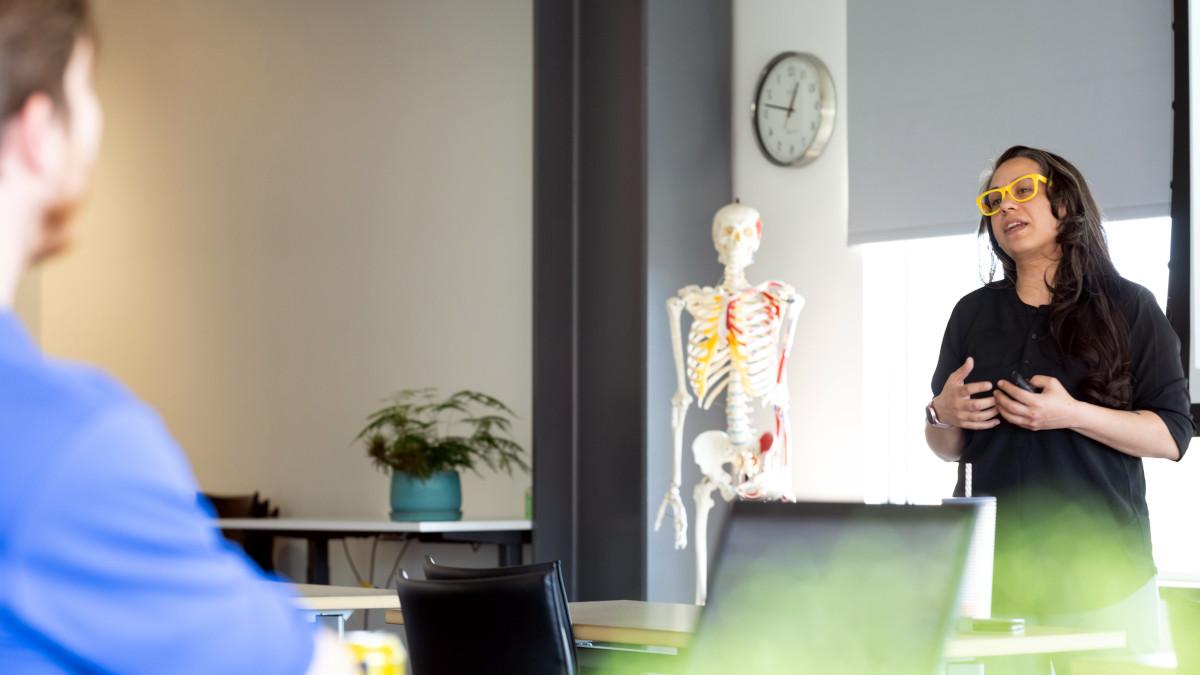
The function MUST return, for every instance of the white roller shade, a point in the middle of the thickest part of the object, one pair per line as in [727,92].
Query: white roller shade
[937,89]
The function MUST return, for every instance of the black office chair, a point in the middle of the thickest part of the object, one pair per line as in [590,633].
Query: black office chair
[500,624]
[259,546]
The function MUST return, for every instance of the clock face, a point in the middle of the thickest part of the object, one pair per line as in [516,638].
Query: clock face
[794,109]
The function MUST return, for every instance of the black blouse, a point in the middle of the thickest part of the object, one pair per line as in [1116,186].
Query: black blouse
[1072,527]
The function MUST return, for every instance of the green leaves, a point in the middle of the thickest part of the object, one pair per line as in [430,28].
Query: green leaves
[415,434]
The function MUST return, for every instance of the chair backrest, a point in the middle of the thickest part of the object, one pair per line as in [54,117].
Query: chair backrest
[433,570]
[259,546]
[445,572]
[502,624]
[233,506]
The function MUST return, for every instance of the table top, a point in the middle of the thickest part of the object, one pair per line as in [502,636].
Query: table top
[1179,581]
[315,597]
[367,525]
[1034,640]
[665,624]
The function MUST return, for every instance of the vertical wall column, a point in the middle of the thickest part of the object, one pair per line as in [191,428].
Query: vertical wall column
[589,290]
[555,288]
[1179,281]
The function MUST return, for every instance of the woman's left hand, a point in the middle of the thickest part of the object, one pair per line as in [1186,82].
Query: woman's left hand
[1053,408]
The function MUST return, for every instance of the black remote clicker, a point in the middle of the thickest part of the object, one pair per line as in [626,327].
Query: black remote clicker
[1023,383]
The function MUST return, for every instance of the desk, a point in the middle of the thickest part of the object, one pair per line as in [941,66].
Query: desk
[1035,640]
[507,535]
[335,604]
[662,624]
[1190,581]
[665,628]
[671,625]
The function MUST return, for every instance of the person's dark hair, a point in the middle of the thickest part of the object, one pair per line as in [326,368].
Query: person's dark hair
[37,38]
[1083,318]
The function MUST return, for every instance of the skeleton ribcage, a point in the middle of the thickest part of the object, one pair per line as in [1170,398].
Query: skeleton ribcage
[733,336]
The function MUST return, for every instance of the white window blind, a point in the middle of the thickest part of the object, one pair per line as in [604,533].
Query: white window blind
[939,88]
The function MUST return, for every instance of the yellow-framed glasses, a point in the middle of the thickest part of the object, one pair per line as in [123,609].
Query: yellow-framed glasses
[1021,190]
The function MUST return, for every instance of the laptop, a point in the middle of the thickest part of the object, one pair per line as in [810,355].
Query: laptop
[833,588]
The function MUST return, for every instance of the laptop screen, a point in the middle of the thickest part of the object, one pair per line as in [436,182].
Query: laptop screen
[833,588]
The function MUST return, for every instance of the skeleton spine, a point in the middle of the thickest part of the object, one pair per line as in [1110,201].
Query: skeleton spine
[737,414]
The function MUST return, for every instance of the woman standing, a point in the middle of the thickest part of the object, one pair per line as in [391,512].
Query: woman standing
[1053,383]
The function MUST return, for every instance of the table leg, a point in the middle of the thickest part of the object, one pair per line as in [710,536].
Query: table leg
[509,553]
[334,620]
[509,544]
[318,560]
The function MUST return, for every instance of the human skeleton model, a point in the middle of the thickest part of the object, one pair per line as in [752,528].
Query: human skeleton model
[738,344]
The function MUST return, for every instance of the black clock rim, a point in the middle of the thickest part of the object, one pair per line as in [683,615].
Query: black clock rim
[828,109]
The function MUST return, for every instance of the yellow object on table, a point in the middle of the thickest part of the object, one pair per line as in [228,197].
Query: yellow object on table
[377,653]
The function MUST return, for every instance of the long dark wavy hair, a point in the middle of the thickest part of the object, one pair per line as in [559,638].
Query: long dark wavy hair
[1083,317]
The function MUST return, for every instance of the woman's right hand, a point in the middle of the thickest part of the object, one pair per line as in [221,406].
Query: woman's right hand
[955,406]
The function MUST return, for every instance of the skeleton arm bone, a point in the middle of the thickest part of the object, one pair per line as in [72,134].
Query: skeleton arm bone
[781,396]
[679,406]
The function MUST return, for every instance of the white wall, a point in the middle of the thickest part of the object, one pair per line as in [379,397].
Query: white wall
[302,206]
[804,215]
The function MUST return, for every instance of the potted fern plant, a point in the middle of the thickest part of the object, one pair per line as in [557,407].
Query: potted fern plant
[424,441]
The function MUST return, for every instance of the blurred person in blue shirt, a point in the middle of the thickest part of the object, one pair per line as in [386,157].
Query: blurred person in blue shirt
[107,561]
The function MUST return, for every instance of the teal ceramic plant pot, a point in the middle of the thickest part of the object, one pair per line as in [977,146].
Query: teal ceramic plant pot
[437,498]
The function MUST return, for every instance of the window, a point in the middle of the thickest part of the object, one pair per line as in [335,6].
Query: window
[909,289]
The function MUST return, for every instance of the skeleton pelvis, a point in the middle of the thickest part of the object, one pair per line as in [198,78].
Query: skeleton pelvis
[712,450]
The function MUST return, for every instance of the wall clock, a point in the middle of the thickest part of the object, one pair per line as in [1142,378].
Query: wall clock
[794,109]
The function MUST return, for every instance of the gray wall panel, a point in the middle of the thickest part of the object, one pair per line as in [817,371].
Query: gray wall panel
[689,177]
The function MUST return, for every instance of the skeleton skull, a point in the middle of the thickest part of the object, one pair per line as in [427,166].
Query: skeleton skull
[737,231]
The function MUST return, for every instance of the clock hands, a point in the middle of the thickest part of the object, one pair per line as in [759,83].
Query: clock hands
[791,108]
[789,111]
